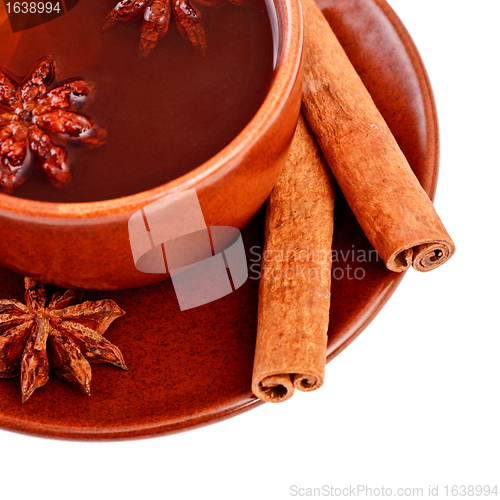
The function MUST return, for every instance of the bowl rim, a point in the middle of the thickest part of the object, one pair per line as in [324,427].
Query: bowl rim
[290,29]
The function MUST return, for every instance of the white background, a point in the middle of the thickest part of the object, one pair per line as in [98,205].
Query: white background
[413,402]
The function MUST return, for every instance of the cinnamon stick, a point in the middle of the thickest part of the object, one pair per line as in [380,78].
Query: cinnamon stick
[294,292]
[393,210]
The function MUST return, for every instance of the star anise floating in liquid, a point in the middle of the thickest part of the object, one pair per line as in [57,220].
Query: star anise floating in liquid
[64,336]
[29,113]
[156,15]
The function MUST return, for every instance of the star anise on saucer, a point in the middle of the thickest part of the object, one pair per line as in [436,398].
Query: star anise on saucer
[156,15]
[64,336]
[29,112]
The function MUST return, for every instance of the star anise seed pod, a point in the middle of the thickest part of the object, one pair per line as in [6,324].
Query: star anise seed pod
[156,18]
[63,335]
[29,113]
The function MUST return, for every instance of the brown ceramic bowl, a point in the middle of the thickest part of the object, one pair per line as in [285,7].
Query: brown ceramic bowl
[86,245]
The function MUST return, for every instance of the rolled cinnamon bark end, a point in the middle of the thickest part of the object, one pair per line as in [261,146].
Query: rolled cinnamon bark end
[431,255]
[306,382]
[274,388]
[294,290]
[394,211]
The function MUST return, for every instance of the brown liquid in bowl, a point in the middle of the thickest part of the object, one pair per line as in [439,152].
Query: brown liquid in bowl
[164,114]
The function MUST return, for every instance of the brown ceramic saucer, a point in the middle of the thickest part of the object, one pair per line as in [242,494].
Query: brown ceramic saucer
[194,367]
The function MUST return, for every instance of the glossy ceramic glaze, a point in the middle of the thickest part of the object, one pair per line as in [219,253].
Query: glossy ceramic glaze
[191,368]
[86,245]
